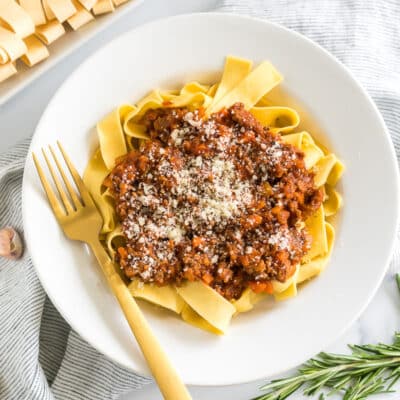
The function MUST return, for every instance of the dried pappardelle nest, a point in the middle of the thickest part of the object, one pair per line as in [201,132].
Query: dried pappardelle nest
[28,27]
[118,133]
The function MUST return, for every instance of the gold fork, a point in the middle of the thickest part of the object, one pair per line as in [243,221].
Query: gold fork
[80,220]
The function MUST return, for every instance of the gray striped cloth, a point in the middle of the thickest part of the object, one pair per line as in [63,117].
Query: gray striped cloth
[40,357]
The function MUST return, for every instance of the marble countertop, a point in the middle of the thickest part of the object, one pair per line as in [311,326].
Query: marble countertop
[377,323]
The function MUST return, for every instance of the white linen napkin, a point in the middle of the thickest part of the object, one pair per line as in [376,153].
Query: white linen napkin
[40,356]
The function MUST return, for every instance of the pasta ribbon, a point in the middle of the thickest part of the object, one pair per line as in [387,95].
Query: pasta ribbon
[102,7]
[59,9]
[11,46]
[119,2]
[81,17]
[50,32]
[235,70]
[247,300]
[113,239]
[164,296]
[95,173]
[315,225]
[35,10]
[304,141]
[16,18]
[192,94]
[195,99]
[290,291]
[192,88]
[207,303]
[335,173]
[88,4]
[36,51]
[111,135]
[191,317]
[328,170]
[197,303]
[287,289]
[278,119]
[333,201]
[312,268]
[7,70]
[250,89]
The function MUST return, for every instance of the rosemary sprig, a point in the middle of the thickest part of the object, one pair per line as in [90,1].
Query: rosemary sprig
[369,369]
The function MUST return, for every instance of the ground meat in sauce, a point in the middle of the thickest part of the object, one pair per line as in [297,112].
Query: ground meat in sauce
[221,200]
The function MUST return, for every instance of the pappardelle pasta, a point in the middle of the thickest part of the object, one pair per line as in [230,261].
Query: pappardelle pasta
[210,201]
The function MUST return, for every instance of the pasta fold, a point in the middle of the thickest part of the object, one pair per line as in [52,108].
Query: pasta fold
[250,89]
[165,296]
[36,51]
[207,303]
[16,18]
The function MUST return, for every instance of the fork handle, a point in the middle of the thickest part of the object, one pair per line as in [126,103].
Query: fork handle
[168,380]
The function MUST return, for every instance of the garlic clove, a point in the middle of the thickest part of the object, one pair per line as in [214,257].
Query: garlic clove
[10,243]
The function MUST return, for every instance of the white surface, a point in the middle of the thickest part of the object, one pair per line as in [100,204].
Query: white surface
[348,125]
[62,48]
[19,116]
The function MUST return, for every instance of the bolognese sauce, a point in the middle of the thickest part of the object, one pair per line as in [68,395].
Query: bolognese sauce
[219,199]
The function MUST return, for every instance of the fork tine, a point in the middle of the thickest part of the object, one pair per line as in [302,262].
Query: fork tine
[86,197]
[59,187]
[54,202]
[71,190]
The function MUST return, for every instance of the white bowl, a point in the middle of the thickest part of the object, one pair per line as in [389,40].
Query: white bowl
[275,336]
